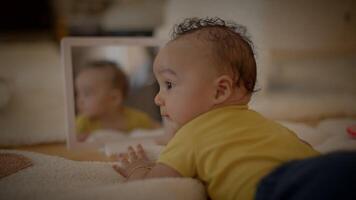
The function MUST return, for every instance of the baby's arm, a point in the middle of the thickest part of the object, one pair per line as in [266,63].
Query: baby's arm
[136,166]
[81,137]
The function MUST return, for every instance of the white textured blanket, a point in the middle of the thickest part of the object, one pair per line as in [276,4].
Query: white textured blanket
[53,177]
[328,136]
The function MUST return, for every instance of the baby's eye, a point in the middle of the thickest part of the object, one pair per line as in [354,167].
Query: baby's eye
[168,85]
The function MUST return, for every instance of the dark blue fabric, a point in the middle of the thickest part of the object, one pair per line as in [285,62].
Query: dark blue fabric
[326,177]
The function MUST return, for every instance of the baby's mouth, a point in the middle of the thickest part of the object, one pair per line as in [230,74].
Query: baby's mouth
[165,117]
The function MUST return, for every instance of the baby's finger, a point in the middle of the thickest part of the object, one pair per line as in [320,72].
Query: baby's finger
[123,159]
[120,170]
[121,155]
[132,153]
[140,152]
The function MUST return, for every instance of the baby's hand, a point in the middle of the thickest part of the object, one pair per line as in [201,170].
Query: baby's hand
[82,137]
[134,164]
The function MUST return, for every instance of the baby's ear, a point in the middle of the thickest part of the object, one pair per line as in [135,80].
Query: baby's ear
[224,87]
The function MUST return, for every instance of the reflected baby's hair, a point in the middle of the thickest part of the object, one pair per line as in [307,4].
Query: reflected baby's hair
[119,78]
[231,44]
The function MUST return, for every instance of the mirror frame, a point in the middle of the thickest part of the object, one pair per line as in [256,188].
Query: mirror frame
[67,44]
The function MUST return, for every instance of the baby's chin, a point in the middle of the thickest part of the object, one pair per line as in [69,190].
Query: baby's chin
[88,115]
[169,125]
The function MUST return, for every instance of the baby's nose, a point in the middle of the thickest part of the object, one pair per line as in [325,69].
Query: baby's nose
[79,102]
[158,100]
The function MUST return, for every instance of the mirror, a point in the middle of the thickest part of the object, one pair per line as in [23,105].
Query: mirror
[110,89]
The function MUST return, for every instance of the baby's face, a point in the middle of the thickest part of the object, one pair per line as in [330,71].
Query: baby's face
[186,75]
[94,93]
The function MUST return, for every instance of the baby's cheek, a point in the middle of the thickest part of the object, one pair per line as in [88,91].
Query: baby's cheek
[185,116]
[92,108]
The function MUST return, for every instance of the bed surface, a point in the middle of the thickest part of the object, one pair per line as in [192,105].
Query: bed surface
[324,135]
[60,149]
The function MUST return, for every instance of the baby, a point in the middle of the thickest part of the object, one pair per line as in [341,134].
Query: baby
[207,74]
[101,88]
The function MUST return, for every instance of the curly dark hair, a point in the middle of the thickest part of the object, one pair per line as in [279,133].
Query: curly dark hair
[231,45]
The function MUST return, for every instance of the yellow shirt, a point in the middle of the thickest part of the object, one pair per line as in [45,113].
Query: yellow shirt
[134,119]
[230,149]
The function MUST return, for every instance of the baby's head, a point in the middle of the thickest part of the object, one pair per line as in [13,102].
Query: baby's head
[208,63]
[100,88]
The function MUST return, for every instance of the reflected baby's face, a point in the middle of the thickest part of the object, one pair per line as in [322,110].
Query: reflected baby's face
[95,93]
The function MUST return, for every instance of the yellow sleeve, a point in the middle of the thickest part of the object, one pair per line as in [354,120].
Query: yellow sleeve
[81,124]
[85,126]
[179,154]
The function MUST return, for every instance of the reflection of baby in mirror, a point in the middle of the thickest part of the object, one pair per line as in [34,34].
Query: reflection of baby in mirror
[101,88]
